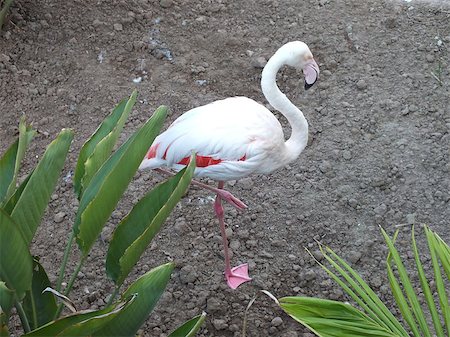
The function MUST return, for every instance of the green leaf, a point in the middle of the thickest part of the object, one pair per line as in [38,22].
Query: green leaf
[6,303]
[10,162]
[11,203]
[100,145]
[31,205]
[16,267]
[408,289]
[360,291]
[331,318]
[139,227]
[40,308]
[433,243]
[107,186]
[426,288]
[82,323]
[148,289]
[189,328]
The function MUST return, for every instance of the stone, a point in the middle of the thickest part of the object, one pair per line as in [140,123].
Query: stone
[59,217]
[277,321]
[220,324]
[166,3]
[354,256]
[213,304]
[361,84]
[118,27]
[259,62]
[188,274]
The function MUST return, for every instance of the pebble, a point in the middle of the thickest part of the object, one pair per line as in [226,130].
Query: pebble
[59,217]
[325,166]
[347,155]
[188,274]
[220,324]
[410,219]
[430,58]
[118,27]
[361,84]
[213,304]
[166,3]
[259,62]
[354,256]
[381,209]
[277,321]
[246,183]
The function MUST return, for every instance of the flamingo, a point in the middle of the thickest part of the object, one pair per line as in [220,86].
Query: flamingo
[236,137]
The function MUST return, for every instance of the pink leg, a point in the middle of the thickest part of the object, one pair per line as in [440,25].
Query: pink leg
[237,275]
[225,195]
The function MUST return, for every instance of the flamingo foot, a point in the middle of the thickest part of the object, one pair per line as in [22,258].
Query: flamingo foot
[237,275]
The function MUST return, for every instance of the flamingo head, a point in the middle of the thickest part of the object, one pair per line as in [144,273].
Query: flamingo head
[297,54]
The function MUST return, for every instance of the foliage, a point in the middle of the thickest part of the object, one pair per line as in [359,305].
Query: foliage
[4,10]
[331,318]
[101,177]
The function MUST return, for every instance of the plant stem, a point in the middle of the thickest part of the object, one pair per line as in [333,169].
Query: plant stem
[113,296]
[23,317]
[70,284]
[4,10]
[62,270]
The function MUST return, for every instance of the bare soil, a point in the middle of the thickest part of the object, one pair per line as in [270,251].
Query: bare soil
[378,152]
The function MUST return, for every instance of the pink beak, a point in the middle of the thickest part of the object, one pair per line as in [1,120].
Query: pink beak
[311,72]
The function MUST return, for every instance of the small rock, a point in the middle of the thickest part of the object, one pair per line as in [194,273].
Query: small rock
[118,27]
[213,304]
[97,23]
[347,155]
[353,202]
[381,209]
[325,166]
[430,58]
[361,84]
[259,62]
[354,256]
[220,324]
[188,274]
[166,3]
[59,217]
[309,275]
[411,219]
[246,183]
[277,321]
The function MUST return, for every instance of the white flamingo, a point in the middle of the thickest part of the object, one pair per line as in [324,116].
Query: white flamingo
[237,136]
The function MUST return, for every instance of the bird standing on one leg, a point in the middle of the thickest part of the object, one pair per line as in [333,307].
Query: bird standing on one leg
[236,137]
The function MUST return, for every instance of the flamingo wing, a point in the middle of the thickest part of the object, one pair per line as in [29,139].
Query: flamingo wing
[229,137]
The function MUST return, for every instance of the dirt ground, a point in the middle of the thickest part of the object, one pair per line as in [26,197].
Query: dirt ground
[379,137]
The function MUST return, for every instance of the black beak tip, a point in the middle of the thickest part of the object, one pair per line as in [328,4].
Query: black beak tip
[308,85]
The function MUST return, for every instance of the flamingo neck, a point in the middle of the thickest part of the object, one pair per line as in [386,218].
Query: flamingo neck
[299,135]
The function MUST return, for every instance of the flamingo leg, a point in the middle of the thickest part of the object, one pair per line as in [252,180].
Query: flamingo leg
[225,195]
[237,275]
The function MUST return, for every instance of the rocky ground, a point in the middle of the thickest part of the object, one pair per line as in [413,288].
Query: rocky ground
[378,152]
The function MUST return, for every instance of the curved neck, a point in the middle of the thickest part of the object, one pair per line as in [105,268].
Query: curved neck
[299,135]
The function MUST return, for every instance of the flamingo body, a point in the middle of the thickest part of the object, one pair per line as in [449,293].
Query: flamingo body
[232,138]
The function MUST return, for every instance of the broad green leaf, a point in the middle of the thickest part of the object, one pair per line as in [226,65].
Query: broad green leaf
[40,308]
[99,147]
[7,164]
[331,318]
[10,162]
[148,289]
[107,186]
[426,288]
[139,227]
[81,323]
[11,203]
[6,303]
[16,266]
[408,289]
[189,328]
[33,200]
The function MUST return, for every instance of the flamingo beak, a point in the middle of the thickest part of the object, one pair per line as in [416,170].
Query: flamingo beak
[311,73]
